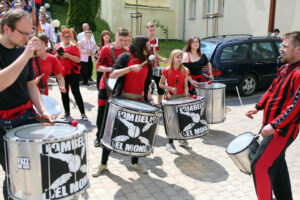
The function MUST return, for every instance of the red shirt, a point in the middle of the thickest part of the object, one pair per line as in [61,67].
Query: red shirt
[135,81]
[154,45]
[49,65]
[106,59]
[68,64]
[175,78]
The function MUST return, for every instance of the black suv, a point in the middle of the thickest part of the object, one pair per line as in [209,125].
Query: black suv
[242,60]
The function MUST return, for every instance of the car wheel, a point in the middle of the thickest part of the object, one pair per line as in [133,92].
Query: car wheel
[248,85]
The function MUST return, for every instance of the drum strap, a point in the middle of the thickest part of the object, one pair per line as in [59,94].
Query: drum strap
[132,95]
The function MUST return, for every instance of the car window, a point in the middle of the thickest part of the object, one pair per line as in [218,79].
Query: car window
[235,52]
[278,44]
[262,50]
[208,48]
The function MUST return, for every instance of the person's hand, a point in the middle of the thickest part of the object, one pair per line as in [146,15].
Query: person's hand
[173,90]
[151,101]
[135,68]
[33,45]
[194,83]
[66,55]
[211,77]
[165,60]
[187,94]
[267,130]
[38,78]
[62,89]
[48,117]
[251,112]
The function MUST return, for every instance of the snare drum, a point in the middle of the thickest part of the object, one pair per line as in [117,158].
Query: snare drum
[157,71]
[51,105]
[185,118]
[242,150]
[131,127]
[46,162]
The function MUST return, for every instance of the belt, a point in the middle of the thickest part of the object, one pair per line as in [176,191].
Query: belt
[9,124]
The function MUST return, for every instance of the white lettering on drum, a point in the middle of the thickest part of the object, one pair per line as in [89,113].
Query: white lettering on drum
[63,146]
[78,185]
[135,148]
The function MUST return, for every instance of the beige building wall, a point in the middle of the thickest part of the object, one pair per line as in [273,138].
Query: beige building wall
[244,17]
[117,14]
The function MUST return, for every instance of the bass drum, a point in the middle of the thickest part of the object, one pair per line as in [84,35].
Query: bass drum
[130,127]
[46,162]
[242,150]
[185,118]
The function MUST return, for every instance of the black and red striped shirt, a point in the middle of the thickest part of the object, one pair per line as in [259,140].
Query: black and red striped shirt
[281,101]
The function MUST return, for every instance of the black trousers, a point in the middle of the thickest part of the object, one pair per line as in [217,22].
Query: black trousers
[160,91]
[100,122]
[99,76]
[86,70]
[72,81]
[269,169]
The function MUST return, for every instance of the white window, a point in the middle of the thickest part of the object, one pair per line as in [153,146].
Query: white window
[192,10]
[213,8]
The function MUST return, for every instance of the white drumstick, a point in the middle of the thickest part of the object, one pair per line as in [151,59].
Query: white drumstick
[151,57]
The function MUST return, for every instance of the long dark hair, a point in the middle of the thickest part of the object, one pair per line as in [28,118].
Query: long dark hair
[139,44]
[188,45]
[105,32]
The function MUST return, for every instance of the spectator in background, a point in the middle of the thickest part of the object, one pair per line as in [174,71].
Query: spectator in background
[104,40]
[25,7]
[87,49]
[5,8]
[275,33]
[74,37]
[58,35]
[47,28]
[85,27]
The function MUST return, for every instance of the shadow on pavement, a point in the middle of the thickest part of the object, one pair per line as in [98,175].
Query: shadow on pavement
[218,138]
[201,168]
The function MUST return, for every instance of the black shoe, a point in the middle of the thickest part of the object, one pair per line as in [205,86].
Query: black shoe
[97,142]
[86,83]
[90,79]
[67,115]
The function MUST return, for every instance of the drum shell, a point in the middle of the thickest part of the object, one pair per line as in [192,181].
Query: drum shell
[157,71]
[111,127]
[243,159]
[214,94]
[172,119]
[30,183]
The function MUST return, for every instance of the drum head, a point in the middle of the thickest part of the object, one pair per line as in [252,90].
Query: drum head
[206,86]
[134,105]
[40,132]
[240,143]
[182,100]
[52,106]
[111,83]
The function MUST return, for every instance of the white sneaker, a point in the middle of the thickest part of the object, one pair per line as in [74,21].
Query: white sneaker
[171,148]
[185,144]
[100,169]
[137,168]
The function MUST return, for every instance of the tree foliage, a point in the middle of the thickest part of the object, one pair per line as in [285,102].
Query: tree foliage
[82,11]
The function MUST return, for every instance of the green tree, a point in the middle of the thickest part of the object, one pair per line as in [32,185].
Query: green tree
[82,11]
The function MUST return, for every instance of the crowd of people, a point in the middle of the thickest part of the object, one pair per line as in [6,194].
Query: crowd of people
[23,80]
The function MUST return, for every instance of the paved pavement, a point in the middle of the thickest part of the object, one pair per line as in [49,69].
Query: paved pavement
[205,172]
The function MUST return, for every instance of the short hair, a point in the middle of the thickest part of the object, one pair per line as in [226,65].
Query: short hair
[85,24]
[43,37]
[12,17]
[122,32]
[295,36]
[65,31]
[88,31]
[150,25]
[276,30]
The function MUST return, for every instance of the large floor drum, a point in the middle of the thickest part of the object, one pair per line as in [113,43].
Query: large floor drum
[214,94]
[184,118]
[46,162]
[131,127]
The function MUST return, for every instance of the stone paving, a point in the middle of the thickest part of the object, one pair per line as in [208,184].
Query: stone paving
[204,173]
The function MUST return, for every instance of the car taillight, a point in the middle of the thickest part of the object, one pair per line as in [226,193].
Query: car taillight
[216,71]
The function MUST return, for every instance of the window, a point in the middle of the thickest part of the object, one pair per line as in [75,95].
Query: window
[235,52]
[192,11]
[262,50]
[278,44]
[213,8]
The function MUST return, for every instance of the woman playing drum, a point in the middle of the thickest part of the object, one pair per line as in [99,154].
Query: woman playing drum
[133,83]
[176,76]
[195,61]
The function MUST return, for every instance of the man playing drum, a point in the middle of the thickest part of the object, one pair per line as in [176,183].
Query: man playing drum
[18,90]
[108,55]
[281,120]
[176,76]
[133,83]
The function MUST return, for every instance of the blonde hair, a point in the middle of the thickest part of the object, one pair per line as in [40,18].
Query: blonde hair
[176,52]
[150,25]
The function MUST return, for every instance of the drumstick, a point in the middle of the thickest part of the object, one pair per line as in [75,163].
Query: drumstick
[73,122]
[151,57]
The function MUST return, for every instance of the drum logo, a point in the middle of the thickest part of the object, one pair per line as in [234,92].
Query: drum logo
[134,132]
[23,163]
[192,120]
[64,169]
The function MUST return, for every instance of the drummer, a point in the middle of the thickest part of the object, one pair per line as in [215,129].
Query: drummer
[18,90]
[108,55]
[196,61]
[48,64]
[133,83]
[176,76]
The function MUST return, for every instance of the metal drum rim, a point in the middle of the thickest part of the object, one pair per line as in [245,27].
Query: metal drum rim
[243,148]
[219,88]
[184,104]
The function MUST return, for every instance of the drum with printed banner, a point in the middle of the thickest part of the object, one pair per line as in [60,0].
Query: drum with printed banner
[46,162]
[242,150]
[131,127]
[185,118]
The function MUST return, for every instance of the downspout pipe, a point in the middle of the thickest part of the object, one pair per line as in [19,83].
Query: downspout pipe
[184,12]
